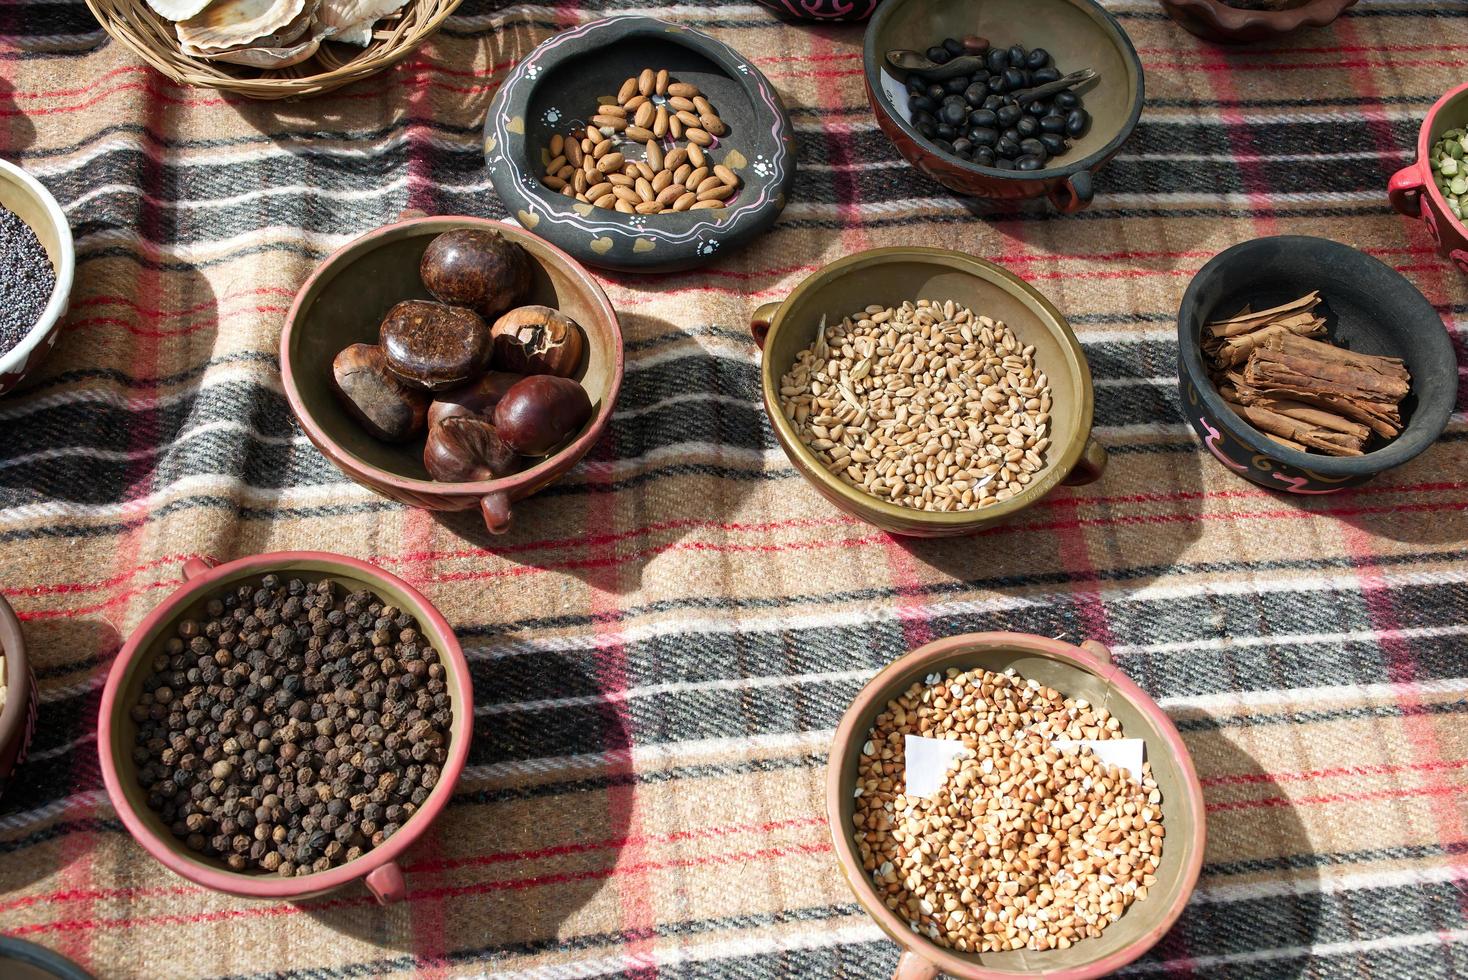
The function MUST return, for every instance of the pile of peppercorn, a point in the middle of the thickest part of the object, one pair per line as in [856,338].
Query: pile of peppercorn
[978,116]
[293,729]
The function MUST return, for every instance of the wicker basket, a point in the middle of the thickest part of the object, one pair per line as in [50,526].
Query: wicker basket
[133,24]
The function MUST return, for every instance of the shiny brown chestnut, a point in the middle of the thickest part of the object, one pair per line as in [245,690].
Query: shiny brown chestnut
[388,409]
[476,399]
[461,449]
[541,412]
[433,345]
[480,269]
[537,340]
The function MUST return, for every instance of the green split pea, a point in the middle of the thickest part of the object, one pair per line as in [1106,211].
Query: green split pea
[1450,169]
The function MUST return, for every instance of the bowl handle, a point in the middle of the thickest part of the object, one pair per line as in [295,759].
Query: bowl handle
[759,323]
[1077,192]
[1089,467]
[496,510]
[386,884]
[913,967]
[195,567]
[1404,190]
[1098,650]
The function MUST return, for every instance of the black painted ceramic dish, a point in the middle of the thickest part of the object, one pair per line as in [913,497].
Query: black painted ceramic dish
[1368,307]
[554,88]
[828,10]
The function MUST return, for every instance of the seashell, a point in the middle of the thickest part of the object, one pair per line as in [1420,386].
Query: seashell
[176,10]
[268,57]
[354,19]
[228,24]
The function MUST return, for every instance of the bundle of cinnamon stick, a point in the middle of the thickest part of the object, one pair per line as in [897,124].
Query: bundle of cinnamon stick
[1304,393]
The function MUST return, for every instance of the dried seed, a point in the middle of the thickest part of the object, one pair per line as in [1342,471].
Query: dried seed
[616,123]
[554,183]
[645,114]
[686,202]
[688,118]
[718,192]
[707,205]
[610,163]
[726,175]
[648,207]
[627,91]
[677,103]
[683,90]
[712,125]
[643,186]
[675,127]
[660,124]
[696,155]
[647,82]
[557,145]
[639,134]
[660,83]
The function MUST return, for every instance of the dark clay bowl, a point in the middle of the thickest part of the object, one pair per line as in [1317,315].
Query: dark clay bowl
[1078,33]
[343,303]
[827,10]
[20,960]
[1368,308]
[22,700]
[1214,20]
[551,91]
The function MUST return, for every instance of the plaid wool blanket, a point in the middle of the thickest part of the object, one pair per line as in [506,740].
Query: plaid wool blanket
[664,643]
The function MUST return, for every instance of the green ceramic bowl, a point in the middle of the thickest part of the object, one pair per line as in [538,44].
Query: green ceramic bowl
[889,276]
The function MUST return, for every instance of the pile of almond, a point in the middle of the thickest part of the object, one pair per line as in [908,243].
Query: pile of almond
[655,113]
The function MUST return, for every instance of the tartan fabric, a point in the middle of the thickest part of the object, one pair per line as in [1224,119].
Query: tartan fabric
[663,644]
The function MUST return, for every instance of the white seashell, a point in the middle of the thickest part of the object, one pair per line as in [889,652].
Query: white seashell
[178,9]
[354,19]
[268,57]
[228,24]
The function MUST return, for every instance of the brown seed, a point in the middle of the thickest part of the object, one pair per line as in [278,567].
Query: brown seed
[630,169]
[644,171]
[610,162]
[703,107]
[635,103]
[685,202]
[720,191]
[660,83]
[688,118]
[573,153]
[607,200]
[643,186]
[647,82]
[696,177]
[671,193]
[713,125]
[579,181]
[597,190]
[709,182]
[627,91]
[565,172]
[698,136]
[624,207]
[616,123]
[627,194]
[708,205]
[676,158]
[675,127]
[683,90]
[639,134]
[554,183]
[680,175]
[568,191]
[648,207]
[655,156]
[696,156]
[677,102]
[726,175]
[557,145]
[555,164]
[660,123]
[620,180]
[615,111]
[645,114]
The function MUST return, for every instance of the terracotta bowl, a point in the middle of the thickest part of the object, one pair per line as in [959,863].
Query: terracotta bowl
[888,276]
[1085,671]
[827,10]
[1414,193]
[550,91]
[343,303]
[1214,20]
[204,578]
[1078,33]
[22,698]
[29,199]
[1369,307]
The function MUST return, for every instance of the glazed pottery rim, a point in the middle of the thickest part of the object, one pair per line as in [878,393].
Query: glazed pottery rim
[13,949]
[679,227]
[1228,19]
[872,62]
[882,685]
[340,259]
[65,268]
[1054,472]
[15,716]
[1418,435]
[174,854]
[1424,156]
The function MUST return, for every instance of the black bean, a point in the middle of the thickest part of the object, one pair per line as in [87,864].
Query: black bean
[1038,109]
[944,132]
[1067,100]
[953,113]
[1037,58]
[1008,115]
[954,45]
[963,145]
[976,93]
[984,156]
[1014,79]
[956,84]
[921,103]
[939,55]
[993,102]
[997,84]
[1052,124]
[1028,126]
[1077,122]
[984,136]
[926,126]
[941,144]
[1016,55]
[1007,148]
[1034,148]
[1011,134]
[983,117]
[1040,76]
[997,59]
[1004,163]
[1028,163]
[936,91]
[1054,143]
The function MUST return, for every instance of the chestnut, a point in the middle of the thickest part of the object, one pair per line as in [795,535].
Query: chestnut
[467,450]
[537,340]
[477,268]
[433,345]
[476,399]
[388,409]
[541,412]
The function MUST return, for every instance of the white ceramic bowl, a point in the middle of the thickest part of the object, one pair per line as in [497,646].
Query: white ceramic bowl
[23,194]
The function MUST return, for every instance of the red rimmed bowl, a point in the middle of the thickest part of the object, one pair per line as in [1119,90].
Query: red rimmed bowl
[22,699]
[1214,20]
[1084,671]
[204,578]
[1414,193]
[343,302]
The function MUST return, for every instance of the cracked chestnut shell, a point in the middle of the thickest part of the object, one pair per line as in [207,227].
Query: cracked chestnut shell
[537,340]
[541,412]
[480,269]
[435,346]
[467,450]
[388,409]
[476,399]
